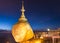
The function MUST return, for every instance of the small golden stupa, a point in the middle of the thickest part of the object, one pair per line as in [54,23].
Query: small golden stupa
[22,30]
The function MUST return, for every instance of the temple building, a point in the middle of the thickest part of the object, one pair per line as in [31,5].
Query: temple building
[22,31]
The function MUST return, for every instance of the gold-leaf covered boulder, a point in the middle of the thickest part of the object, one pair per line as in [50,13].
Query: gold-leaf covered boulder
[22,32]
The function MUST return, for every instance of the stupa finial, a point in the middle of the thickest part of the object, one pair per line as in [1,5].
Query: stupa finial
[22,18]
[22,10]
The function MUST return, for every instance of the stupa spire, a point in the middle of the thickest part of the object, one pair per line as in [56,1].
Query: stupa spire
[22,11]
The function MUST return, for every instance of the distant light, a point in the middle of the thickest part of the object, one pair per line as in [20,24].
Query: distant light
[41,37]
[48,29]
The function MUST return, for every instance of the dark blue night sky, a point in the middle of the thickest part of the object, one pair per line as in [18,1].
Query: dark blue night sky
[41,14]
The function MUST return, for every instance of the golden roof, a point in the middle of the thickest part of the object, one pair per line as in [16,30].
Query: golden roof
[22,30]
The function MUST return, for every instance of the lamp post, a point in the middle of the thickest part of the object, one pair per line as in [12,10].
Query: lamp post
[48,31]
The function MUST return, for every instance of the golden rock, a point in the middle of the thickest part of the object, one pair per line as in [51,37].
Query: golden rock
[22,30]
